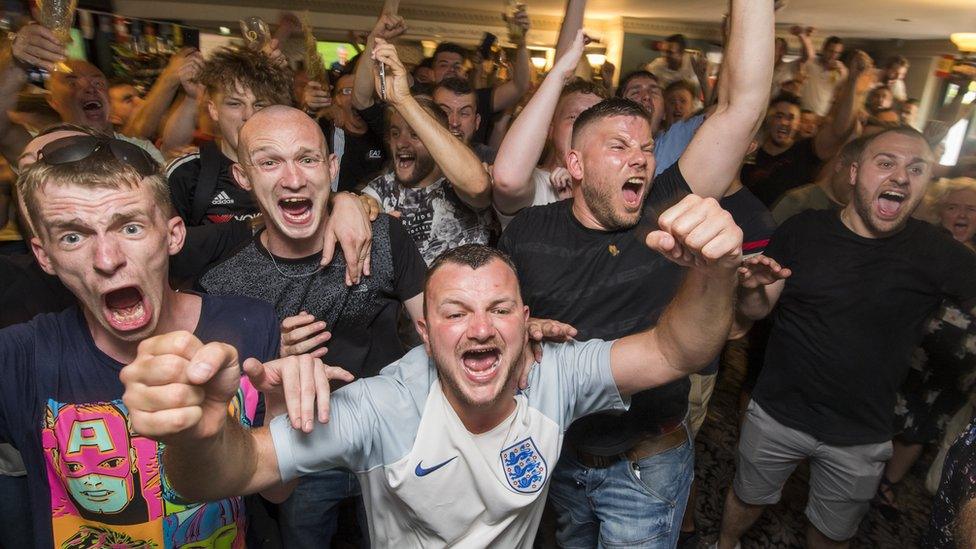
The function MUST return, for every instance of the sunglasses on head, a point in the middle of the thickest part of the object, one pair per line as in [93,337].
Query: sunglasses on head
[79,147]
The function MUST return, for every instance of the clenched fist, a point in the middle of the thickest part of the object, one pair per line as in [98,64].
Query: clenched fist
[178,389]
[698,233]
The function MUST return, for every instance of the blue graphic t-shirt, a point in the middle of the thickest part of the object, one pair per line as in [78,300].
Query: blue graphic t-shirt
[93,481]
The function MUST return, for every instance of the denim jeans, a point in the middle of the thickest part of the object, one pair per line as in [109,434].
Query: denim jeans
[309,516]
[629,504]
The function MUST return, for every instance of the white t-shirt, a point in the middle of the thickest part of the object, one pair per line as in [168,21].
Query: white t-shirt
[783,72]
[820,85]
[898,90]
[665,75]
[426,480]
[543,194]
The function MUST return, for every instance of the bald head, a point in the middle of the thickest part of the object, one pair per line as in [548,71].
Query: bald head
[277,121]
[81,96]
[283,160]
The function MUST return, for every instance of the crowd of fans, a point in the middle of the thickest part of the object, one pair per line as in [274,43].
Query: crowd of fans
[210,294]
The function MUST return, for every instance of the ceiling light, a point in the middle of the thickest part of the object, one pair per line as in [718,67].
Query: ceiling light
[223,30]
[965,41]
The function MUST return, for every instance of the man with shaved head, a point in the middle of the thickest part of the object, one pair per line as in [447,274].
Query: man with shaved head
[285,164]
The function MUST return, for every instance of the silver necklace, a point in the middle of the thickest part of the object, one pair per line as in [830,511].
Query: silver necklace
[284,274]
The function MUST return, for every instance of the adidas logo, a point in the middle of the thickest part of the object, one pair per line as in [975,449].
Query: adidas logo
[222,199]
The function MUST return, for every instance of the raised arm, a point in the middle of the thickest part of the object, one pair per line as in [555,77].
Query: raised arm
[842,120]
[458,162]
[713,157]
[522,147]
[33,45]
[179,127]
[807,52]
[509,93]
[145,122]
[699,63]
[388,26]
[699,234]
[572,24]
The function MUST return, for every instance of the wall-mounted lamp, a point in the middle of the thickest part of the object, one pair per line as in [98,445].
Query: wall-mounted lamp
[538,59]
[596,59]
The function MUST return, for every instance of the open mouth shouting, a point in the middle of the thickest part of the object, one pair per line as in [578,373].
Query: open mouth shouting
[296,210]
[126,309]
[782,133]
[480,365]
[890,204]
[632,191]
[94,109]
[961,227]
[405,160]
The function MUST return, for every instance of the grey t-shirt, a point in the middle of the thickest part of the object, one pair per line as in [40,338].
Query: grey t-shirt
[362,318]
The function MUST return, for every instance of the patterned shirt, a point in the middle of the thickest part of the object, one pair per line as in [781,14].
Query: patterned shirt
[958,488]
[434,216]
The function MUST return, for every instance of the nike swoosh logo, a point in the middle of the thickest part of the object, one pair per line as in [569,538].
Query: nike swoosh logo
[421,472]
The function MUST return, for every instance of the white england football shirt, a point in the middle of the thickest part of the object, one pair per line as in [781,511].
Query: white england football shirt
[426,480]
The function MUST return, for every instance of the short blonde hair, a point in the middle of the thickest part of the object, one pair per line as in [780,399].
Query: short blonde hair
[937,194]
[101,170]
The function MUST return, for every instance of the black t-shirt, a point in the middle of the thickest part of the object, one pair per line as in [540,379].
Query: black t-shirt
[608,285]
[205,245]
[91,478]
[362,318]
[848,320]
[771,176]
[228,201]
[486,109]
[363,156]
[752,217]
[27,291]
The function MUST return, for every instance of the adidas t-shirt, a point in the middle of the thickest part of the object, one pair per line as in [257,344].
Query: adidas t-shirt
[427,481]
[229,201]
